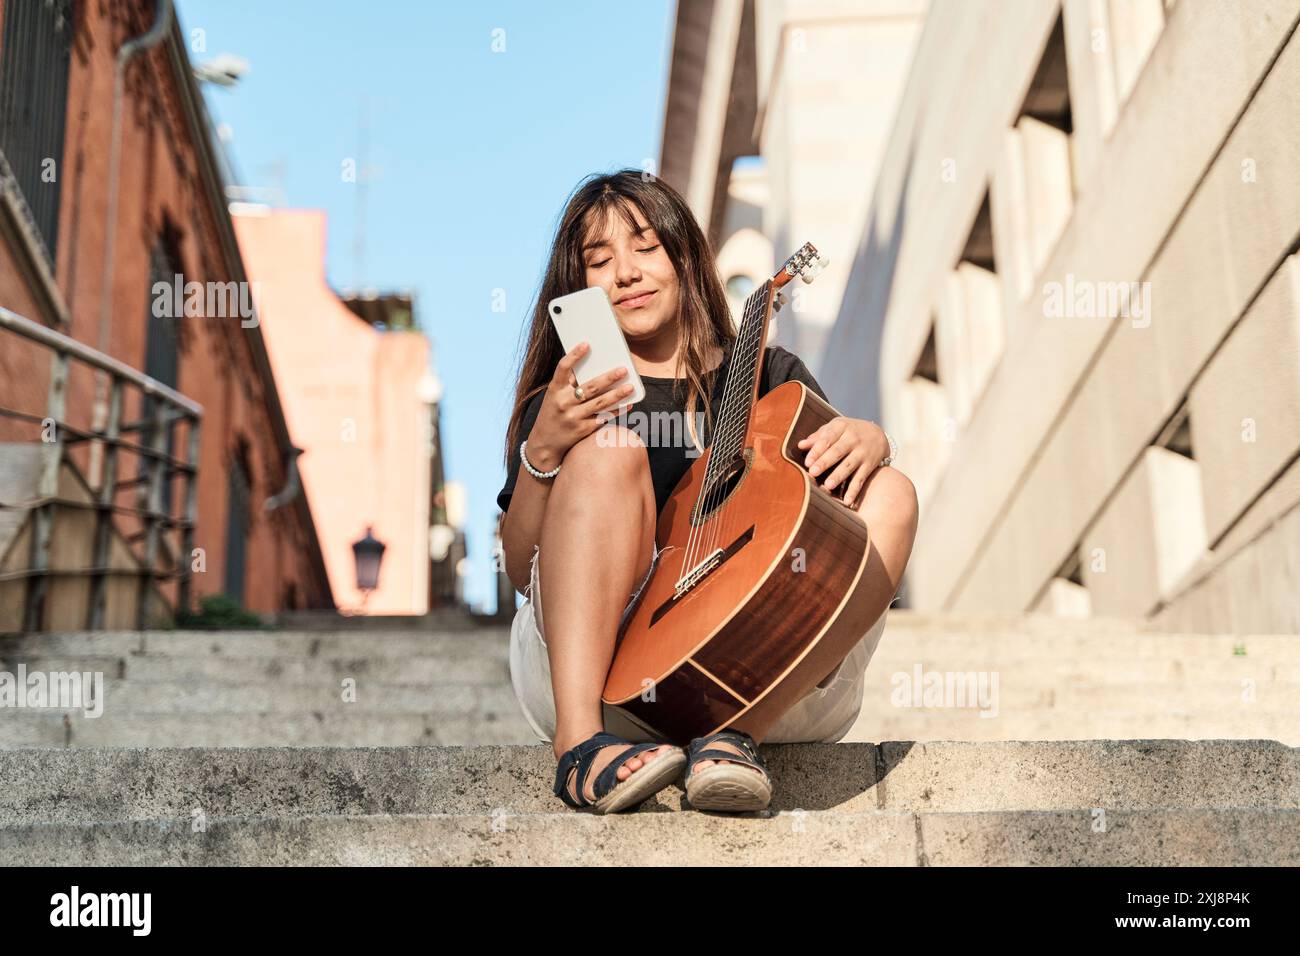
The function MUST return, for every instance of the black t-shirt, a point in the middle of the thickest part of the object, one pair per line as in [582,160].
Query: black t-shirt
[661,422]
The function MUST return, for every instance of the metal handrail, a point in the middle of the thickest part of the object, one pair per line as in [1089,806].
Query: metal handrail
[169,409]
[70,346]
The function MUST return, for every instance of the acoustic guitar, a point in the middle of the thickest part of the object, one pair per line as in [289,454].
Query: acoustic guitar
[751,603]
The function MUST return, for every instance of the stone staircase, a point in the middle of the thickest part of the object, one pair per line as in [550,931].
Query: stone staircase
[1060,679]
[449,686]
[944,803]
[1111,744]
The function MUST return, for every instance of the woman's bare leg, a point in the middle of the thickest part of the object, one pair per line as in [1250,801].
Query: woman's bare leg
[889,506]
[596,544]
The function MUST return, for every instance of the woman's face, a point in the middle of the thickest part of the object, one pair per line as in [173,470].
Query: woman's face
[636,274]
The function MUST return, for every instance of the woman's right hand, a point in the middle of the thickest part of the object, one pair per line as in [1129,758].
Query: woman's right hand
[563,421]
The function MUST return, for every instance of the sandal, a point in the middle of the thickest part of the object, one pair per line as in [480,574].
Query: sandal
[726,786]
[611,793]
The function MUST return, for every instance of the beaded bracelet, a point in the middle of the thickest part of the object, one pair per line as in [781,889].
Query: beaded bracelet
[893,450]
[533,471]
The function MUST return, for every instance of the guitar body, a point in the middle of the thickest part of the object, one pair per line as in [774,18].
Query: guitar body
[774,617]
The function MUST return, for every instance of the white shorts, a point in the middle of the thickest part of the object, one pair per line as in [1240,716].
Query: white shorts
[824,715]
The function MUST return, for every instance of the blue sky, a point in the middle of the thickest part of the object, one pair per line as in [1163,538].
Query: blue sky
[472,153]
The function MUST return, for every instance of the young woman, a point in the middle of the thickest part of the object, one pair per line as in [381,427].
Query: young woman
[590,502]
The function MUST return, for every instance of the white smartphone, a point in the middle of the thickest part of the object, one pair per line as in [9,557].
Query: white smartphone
[587,316]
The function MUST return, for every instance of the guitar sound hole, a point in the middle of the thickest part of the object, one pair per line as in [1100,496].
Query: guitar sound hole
[717,491]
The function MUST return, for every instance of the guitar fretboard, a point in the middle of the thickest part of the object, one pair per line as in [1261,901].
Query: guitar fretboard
[738,392]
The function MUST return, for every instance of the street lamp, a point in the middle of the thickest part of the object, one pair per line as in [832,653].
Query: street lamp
[368,552]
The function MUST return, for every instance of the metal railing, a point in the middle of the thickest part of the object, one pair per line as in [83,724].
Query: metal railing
[163,413]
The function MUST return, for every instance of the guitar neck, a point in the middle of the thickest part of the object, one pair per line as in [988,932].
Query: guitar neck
[741,388]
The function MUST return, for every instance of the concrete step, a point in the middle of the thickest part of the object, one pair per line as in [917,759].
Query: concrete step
[876,723]
[349,638]
[1167,837]
[1016,693]
[497,719]
[1100,671]
[273,697]
[1057,680]
[52,728]
[898,645]
[477,668]
[255,644]
[82,786]
[1012,645]
[347,641]
[439,619]
[160,698]
[447,700]
[488,664]
[1131,803]
[1265,697]
[904,617]
[1033,690]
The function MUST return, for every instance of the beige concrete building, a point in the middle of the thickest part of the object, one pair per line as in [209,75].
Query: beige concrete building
[1074,299]
[361,398]
[809,89]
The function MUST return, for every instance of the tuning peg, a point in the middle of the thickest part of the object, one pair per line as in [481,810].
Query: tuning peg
[815,268]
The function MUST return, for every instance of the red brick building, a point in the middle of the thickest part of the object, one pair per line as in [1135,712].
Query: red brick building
[85,264]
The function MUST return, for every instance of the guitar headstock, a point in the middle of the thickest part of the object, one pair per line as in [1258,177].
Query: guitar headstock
[807,263]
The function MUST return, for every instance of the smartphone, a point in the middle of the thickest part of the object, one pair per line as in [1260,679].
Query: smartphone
[587,316]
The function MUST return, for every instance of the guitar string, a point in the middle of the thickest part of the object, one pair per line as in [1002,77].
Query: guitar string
[718,523]
[740,428]
[699,532]
[721,525]
[724,528]
[736,426]
[696,536]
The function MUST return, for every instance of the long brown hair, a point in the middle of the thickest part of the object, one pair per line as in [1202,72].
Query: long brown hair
[703,316]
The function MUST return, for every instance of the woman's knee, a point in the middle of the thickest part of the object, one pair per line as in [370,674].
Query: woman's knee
[891,497]
[610,453]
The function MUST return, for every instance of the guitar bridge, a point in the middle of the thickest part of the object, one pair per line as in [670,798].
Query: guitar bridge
[701,571]
[698,572]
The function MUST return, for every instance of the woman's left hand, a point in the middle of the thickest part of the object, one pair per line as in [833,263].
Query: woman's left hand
[858,446]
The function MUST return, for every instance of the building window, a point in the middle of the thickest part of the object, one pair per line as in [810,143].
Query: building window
[969,325]
[237,515]
[1131,28]
[162,338]
[34,55]
[1033,189]
[927,428]
[1066,594]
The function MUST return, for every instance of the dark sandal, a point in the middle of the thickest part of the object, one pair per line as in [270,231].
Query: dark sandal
[726,786]
[611,793]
